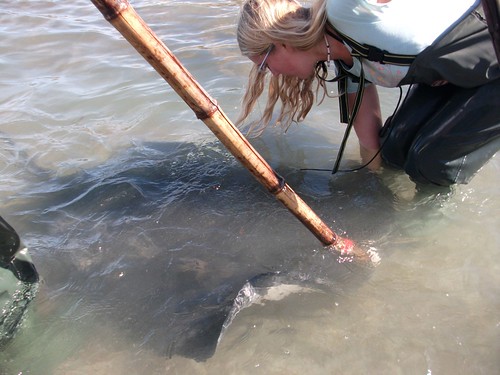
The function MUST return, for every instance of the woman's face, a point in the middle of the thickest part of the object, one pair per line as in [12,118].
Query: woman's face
[288,61]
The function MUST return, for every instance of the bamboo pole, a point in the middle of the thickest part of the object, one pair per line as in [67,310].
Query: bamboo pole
[126,20]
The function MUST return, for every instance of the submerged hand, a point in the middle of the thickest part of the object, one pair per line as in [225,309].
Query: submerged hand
[348,251]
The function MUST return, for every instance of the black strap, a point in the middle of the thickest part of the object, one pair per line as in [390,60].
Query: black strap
[342,80]
[342,90]
[370,53]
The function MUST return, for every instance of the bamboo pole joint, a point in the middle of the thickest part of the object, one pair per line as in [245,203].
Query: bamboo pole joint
[111,9]
[203,114]
[280,187]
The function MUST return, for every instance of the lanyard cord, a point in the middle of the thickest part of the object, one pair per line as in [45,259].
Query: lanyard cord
[368,52]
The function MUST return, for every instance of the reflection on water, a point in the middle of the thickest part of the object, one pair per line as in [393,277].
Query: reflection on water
[144,229]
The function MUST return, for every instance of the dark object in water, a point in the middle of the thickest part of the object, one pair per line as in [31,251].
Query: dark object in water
[18,282]
[167,283]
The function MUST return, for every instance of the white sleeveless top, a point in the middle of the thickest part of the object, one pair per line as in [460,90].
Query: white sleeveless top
[400,26]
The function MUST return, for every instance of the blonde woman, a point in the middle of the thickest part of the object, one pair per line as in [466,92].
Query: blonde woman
[447,126]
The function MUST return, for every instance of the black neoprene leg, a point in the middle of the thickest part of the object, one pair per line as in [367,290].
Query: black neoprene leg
[444,135]
[9,243]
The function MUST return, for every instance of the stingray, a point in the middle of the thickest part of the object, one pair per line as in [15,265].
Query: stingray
[168,242]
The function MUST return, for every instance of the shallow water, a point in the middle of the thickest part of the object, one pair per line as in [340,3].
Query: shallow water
[144,228]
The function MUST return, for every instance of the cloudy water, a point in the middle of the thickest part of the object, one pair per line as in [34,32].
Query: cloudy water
[144,229]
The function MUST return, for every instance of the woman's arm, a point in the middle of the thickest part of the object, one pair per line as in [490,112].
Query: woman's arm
[367,125]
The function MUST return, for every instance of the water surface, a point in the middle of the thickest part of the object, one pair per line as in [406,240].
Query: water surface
[144,228]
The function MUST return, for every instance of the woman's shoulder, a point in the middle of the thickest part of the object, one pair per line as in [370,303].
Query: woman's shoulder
[373,11]
[400,26]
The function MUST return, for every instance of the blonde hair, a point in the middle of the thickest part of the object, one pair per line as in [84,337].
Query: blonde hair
[265,22]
